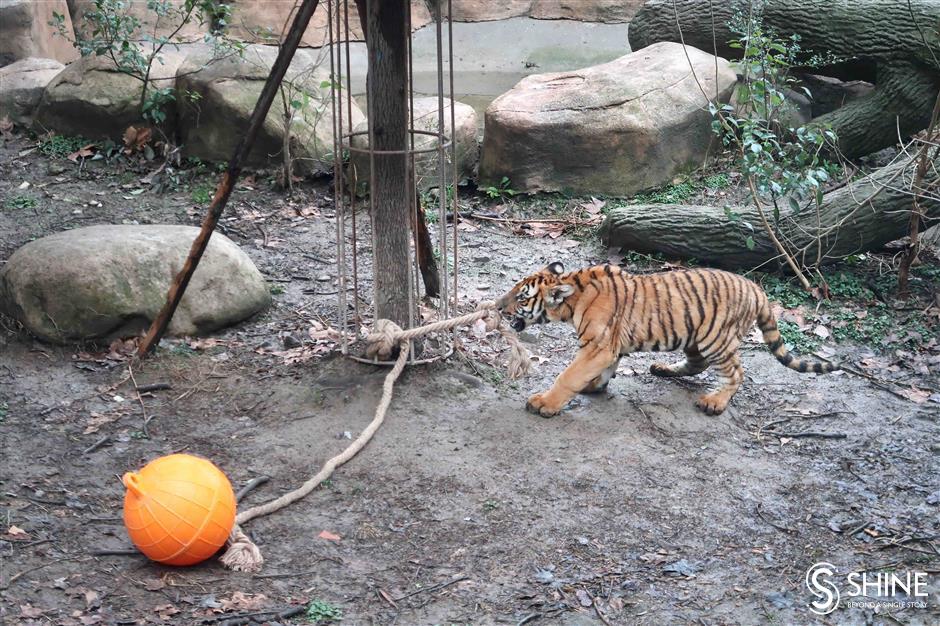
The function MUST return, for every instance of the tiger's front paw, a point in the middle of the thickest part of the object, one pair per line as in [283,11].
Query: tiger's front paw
[539,405]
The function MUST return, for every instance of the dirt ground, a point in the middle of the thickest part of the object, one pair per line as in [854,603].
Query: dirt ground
[628,508]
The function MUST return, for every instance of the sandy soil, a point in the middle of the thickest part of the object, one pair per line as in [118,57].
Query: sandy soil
[630,508]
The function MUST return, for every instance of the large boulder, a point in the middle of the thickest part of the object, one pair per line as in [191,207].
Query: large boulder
[426,163]
[21,87]
[93,99]
[25,31]
[111,281]
[212,125]
[265,21]
[615,129]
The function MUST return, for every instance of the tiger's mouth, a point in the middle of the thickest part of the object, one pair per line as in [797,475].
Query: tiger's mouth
[518,323]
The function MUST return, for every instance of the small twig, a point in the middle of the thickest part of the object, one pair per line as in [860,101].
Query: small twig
[858,528]
[16,577]
[597,609]
[97,444]
[387,597]
[114,553]
[143,409]
[154,387]
[531,617]
[251,484]
[247,618]
[433,588]
[807,434]
[769,522]
[298,574]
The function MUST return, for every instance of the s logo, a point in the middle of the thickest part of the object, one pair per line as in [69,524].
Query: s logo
[818,583]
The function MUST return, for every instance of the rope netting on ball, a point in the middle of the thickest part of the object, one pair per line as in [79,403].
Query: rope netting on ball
[242,553]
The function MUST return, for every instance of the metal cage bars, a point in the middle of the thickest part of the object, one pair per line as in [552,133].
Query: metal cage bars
[345,208]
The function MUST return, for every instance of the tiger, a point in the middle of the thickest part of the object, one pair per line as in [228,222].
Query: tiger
[703,312]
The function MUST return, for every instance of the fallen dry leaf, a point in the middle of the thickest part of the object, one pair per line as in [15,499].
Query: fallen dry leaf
[916,395]
[15,531]
[28,610]
[136,138]
[97,420]
[594,206]
[325,534]
[91,599]
[205,344]
[165,610]
[241,601]
[6,127]
[83,153]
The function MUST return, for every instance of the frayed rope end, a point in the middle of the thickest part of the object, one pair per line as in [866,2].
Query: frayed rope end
[242,554]
[519,361]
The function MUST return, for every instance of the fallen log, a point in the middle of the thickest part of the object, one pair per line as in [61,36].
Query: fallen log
[862,216]
[893,44]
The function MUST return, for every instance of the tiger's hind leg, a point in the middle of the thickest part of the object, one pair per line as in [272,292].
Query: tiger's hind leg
[730,377]
[693,363]
[599,382]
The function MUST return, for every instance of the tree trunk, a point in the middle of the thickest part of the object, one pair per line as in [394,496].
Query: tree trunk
[861,216]
[424,249]
[388,91]
[880,38]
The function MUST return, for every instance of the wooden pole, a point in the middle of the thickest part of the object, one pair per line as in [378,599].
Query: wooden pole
[387,90]
[224,189]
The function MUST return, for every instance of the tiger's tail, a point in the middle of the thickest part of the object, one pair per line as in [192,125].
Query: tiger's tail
[774,341]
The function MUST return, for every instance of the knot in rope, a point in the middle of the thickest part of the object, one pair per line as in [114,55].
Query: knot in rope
[384,338]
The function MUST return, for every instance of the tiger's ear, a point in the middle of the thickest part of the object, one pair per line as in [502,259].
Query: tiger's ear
[555,268]
[558,293]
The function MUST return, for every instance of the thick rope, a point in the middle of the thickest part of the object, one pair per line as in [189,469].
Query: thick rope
[242,554]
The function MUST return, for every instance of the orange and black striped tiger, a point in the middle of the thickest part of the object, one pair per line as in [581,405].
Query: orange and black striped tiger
[703,312]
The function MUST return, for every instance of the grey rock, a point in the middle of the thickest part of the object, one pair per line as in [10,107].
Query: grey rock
[21,87]
[227,89]
[107,281]
[617,128]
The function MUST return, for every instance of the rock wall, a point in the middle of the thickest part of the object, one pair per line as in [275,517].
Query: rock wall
[608,11]
[25,31]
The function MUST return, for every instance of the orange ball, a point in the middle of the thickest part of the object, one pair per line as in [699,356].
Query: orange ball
[179,509]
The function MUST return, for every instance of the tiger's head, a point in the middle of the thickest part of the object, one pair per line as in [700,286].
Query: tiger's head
[533,299]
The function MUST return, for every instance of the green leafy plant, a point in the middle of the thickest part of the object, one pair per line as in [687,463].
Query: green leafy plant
[116,33]
[717,181]
[502,191]
[797,339]
[779,162]
[276,290]
[670,194]
[60,146]
[303,100]
[320,612]
[783,291]
[20,201]
[202,194]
